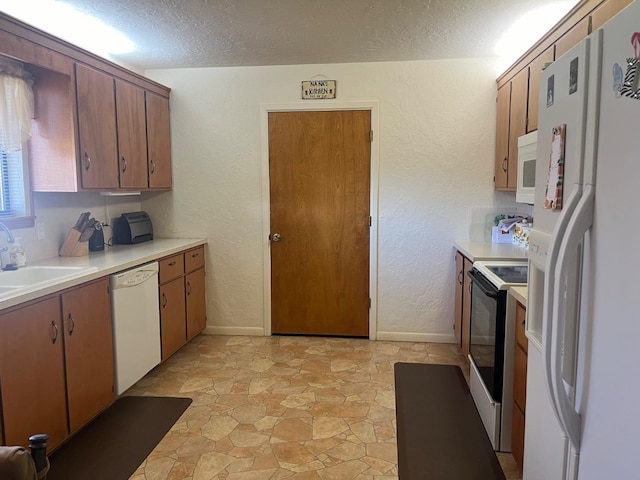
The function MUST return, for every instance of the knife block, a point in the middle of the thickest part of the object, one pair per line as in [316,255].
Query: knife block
[72,247]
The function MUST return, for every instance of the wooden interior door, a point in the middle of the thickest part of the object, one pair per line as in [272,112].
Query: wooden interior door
[319,173]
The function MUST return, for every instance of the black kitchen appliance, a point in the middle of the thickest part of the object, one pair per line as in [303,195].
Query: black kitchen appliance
[132,227]
[96,242]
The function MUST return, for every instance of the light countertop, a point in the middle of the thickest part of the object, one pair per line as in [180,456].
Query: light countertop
[99,264]
[491,251]
[520,294]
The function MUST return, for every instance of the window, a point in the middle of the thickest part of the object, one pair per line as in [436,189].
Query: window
[16,112]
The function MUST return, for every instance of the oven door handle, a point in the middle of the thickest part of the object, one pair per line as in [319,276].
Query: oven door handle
[486,288]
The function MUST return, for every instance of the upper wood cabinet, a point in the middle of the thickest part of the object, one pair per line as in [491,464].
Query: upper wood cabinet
[517,88]
[159,141]
[605,11]
[512,106]
[572,37]
[97,126]
[132,135]
[535,73]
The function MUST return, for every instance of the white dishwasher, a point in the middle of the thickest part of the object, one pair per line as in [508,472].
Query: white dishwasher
[136,323]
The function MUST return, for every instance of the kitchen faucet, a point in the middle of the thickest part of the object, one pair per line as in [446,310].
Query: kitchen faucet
[10,239]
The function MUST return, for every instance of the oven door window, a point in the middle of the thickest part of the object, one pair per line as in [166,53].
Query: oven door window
[486,344]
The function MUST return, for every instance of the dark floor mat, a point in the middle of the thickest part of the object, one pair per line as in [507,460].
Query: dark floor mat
[440,433]
[114,445]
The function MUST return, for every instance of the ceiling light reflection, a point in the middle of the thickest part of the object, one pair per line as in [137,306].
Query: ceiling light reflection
[64,21]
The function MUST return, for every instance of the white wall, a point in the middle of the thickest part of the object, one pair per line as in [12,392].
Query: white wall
[437,128]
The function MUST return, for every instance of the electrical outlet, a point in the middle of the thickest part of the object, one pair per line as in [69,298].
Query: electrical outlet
[40,228]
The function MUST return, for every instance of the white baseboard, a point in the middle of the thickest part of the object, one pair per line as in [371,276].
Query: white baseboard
[248,331]
[416,337]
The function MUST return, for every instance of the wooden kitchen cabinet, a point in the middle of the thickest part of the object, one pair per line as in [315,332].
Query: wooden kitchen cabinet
[56,363]
[605,11]
[32,378]
[535,73]
[512,104]
[182,299]
[173,332]
[573,37]
[97,128]
[195,292]
[518,412]
[88,334]
[132,136]
[462,310]
[159,141]
[82,130]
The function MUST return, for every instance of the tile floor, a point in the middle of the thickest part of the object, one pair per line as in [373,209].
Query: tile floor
[285,408]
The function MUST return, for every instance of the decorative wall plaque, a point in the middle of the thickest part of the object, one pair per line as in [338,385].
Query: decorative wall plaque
[318,89]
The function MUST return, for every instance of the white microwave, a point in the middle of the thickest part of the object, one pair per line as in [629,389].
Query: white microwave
[527,149]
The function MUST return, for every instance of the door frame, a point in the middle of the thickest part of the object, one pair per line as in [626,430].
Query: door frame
[318,106]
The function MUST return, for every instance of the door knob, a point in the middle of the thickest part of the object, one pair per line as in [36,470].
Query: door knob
[275,237]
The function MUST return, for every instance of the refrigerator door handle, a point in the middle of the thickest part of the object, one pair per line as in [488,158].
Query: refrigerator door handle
[549,343]
[580,222]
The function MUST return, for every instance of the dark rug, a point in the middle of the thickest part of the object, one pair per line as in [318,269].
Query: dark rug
[115,443]
[440,433]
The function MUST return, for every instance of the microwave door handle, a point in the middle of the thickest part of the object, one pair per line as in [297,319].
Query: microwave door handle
[482,284]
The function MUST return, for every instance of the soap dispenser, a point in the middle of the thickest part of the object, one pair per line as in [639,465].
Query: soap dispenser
[17,256]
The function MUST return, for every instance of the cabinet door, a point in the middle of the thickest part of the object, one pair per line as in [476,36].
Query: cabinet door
[517,123]
[573,37]
[97,127]
[132,135]
[196,303]
[457,320]
[535,72]
[32,373]
[86,313]
[605,11]
[517,436]
[159,141]
[466,307]
[173,329]
[502,136]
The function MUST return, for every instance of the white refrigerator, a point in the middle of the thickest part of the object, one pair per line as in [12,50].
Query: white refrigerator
[583,310]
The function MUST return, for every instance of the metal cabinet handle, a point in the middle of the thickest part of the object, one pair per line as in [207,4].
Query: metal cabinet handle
[164,301]
[73,325]
[153,165]
[124,164]
[276,237]
[88,158]
[54,329]
[460,277]
[194,255]
[171,264]
[505,164]
[188,288]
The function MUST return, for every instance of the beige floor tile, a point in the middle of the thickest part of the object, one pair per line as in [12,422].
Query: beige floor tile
[275,408]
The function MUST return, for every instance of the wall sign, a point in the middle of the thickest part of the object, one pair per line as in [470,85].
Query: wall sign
[318,89]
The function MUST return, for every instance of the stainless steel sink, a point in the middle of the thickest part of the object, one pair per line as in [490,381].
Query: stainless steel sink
[27,279]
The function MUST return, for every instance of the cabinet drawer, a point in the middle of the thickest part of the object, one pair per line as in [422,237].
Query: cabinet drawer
[521,338]
[520,377]
[193,259]
[171,267]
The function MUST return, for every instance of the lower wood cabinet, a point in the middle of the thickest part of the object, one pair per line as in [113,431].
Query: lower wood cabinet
[462,324]
[56,363]
[182,299]
[518,411]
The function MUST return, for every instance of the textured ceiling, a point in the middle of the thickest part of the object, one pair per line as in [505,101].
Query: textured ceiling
[197,33]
